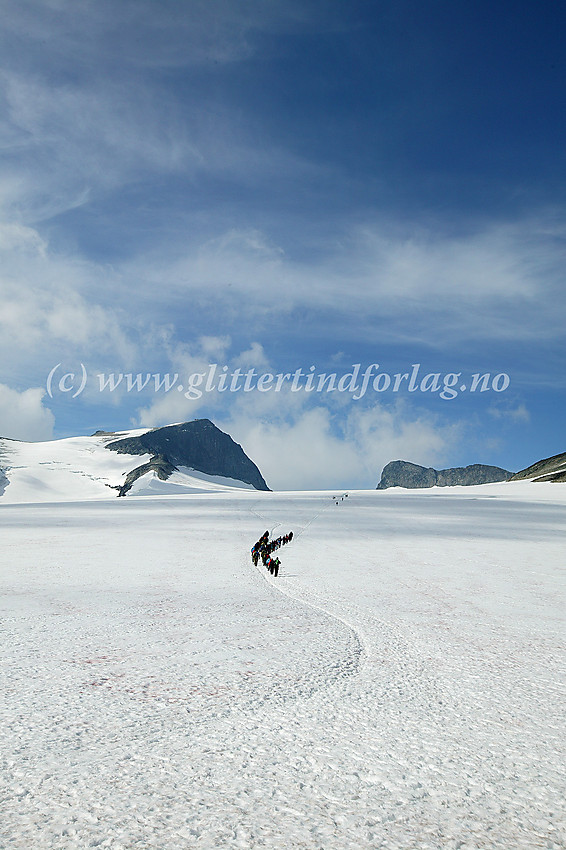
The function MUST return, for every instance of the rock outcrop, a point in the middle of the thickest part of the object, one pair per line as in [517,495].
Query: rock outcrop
[158,464]
[550,469]
[402,473]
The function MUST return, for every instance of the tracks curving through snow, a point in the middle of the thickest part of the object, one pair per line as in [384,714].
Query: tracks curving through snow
[303,596]
[408,746]
[188,702]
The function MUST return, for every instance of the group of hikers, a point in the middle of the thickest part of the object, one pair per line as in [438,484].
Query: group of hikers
[342,497]
[263,549]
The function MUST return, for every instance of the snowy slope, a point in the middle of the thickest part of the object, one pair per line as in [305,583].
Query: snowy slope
[82,468]
[400,685]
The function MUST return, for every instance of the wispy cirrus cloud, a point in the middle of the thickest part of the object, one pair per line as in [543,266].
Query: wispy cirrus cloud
[90,106]
[499,282]
[500,285]
[166,34]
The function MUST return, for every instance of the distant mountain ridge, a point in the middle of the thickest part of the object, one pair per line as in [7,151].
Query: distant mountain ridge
[550,469]
[403,473]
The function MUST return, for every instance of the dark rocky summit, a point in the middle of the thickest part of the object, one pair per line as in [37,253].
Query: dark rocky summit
[550,469]
[199,445]
[402,473]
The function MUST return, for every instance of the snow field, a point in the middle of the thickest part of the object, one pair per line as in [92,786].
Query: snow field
[400,685]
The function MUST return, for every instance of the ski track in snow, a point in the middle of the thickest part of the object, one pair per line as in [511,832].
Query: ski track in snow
[356,701]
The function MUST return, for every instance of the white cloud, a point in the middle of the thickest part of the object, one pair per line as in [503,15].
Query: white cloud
[23,416]
[301,454]
[254,356]
[519,413]
[22,240]
[47,306]
[167,409]
[194,365]
[472,268]
[214,347]
[307,446]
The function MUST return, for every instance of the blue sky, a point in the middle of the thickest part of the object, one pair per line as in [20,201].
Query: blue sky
[279,186]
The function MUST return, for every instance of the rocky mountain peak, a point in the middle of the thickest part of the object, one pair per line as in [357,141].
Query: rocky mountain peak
[199,445]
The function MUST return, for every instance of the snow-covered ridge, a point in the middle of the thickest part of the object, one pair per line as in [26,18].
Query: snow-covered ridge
[78,468]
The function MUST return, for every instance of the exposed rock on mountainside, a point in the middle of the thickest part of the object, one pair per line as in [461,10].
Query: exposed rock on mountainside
[199,445]
[158,464]
[402,473]
[549,469]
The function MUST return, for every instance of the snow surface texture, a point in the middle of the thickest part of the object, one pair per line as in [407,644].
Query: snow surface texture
[83,468]
[398,686]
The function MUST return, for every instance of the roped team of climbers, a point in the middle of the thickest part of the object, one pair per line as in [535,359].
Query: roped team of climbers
[263,549]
